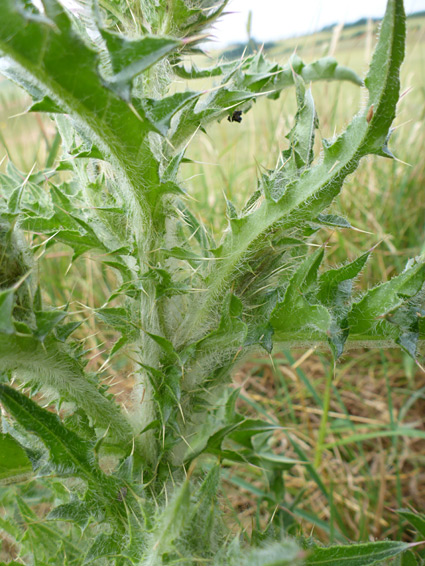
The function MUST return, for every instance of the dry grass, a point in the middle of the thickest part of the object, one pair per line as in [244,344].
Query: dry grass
[367,479]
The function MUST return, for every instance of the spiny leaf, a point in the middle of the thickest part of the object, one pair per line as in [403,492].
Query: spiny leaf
[244,81]
[165,344]
[104,545]
[172,521]
[49,48]
[64,331]
[46,322]
[242,432]
[160,112]
[194,72]
[46,536]
[261,334]
[326,68]
[307,196]
[364,315]
[295,312]
[76,512]
[47,51]
[54,366]
[330,280]
[131,57]
[304,276]
[68,453]
[302,134]
[118,318]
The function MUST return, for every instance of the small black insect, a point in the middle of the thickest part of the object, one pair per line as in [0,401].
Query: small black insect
[236,116]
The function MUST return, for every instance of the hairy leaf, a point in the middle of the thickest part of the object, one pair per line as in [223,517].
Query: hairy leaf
[356,554]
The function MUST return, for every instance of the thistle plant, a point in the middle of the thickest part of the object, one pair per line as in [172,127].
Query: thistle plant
[187,306]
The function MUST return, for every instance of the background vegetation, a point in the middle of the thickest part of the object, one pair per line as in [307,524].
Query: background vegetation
[370,457]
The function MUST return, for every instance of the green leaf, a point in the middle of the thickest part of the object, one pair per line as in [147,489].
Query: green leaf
[14,462]
[408,559]
[295,312]
[311,193]
[172,521]
[76,512]
[242,432]
[302,134]
[382,300]
[272,461]
[46,322]
[165,344]
[190,20]
[356,554]
[49,48]
[63,331]
[103,545]
[408,341]
[244,82]
[181,253]
[85,151]
[383,79]
[330,281]
[248,428]
[165,286]
[118,318]
[262,335]
[160,112]
[131,57]
[304,277]
[46,104]
[47,51]
[53,366]
[69,454]
[120,343]
[197,229]
[6,309]
[10,527]
[332,220]
[45,536]
[194,72]
[326,68]
[415,519]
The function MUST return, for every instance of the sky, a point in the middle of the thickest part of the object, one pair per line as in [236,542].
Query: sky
[277,19]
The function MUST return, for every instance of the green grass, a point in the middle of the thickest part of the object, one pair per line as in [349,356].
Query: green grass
[358,479]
